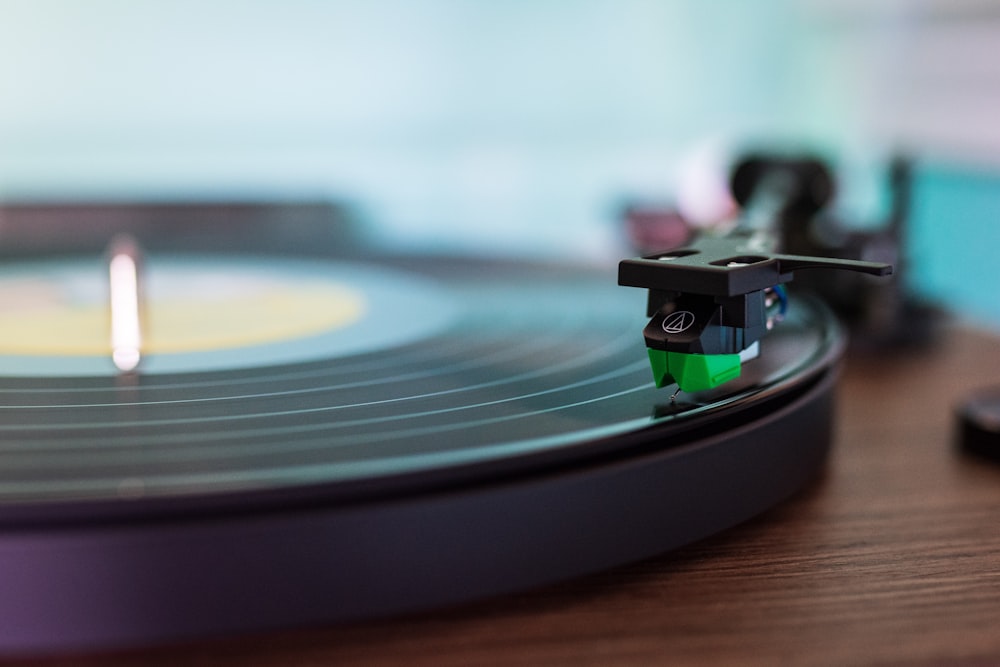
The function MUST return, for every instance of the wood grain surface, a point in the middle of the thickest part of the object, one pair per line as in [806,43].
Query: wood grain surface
[892,557]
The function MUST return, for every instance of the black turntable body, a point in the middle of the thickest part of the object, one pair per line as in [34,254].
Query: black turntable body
[366,436]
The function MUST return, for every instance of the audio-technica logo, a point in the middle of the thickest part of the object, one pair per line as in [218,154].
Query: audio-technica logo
[675,323]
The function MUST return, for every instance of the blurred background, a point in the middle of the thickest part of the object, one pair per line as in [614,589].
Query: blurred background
[514,128]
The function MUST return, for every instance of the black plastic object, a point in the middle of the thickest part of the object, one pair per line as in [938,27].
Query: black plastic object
[728,266]
[694,325]
[718,283]
[979,423]
[317,228]
[800,185]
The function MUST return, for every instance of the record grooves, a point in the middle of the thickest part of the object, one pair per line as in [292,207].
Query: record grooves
[470,432]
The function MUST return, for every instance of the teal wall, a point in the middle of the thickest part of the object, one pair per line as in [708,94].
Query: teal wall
[512,126]
[482,126]
[955,238]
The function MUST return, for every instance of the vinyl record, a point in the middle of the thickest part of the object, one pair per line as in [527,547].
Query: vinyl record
[313,441]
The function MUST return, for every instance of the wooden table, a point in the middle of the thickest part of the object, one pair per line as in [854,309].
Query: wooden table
[892,557]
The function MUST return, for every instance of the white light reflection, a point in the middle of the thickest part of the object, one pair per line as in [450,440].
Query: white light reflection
[126,332]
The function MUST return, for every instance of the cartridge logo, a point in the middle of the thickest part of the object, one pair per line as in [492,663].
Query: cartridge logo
[678,322]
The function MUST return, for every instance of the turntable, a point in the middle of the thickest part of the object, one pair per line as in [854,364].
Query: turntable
[299,438]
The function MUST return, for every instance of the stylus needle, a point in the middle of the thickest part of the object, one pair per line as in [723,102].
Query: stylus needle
[126,329]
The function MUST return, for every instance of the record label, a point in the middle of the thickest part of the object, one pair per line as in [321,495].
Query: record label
[203,313]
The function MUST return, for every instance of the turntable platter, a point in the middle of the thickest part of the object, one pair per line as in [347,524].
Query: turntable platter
[317,441]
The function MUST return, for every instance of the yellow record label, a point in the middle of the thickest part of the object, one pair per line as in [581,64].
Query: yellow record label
[202,313]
